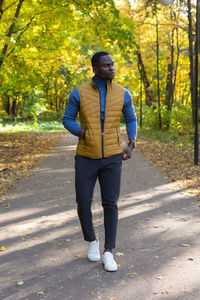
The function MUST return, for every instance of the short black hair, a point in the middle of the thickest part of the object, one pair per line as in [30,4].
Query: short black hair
[96,57]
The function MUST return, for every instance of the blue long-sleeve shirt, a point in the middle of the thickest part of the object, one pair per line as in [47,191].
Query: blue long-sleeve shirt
[73,107]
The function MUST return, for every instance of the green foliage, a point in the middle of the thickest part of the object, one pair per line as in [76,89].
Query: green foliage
[178,121]
[50,51]
[34,105]
[49,115]
[181,119]
[163,136]
[52,43]
[31,126]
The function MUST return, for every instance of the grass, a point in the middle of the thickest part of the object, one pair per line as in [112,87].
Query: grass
[164,136]
[31,127]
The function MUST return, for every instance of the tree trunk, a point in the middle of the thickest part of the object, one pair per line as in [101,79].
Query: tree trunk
[191,56]
[5,48]
[177,58]
[169,86]
[1,10]
[158,74]
[7,105]
[13,108]
[141,68]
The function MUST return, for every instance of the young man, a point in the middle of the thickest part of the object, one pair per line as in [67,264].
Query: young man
[99,155]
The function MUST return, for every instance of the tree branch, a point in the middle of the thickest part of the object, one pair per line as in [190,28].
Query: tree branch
[18,38]
[5,48]
[3,10]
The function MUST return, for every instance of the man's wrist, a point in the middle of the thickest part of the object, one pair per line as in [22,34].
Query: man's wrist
[132,143]
[81,133]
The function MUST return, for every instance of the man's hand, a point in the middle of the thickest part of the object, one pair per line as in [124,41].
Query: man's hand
[128,150]
[81,133]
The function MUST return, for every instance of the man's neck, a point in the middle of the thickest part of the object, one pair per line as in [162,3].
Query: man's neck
[101,79]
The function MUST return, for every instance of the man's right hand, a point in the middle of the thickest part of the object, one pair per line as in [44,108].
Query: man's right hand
[81,133]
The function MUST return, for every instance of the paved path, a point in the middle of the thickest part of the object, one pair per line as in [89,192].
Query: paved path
[158,248]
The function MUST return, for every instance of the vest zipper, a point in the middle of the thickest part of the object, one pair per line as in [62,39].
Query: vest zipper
[102,144]
[117,136]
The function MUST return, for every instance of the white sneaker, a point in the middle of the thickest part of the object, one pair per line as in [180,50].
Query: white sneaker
[93,251]
[109,262]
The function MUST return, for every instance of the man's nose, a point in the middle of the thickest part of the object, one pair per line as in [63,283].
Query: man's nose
[112,67]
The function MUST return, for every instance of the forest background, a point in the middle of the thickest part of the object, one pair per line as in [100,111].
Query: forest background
[46,47]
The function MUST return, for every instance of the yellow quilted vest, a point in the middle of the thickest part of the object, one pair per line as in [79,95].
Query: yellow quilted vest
[98,145]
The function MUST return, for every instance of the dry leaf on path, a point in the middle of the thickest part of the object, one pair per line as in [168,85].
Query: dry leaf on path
[132,274]
[119,254]
[165,292]
[40,293]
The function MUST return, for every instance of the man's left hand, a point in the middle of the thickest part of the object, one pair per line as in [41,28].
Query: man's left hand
[127,152]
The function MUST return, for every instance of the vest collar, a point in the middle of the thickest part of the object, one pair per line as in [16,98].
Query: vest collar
[109,82]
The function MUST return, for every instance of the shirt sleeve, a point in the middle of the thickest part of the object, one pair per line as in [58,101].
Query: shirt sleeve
[71,111]
[129,116]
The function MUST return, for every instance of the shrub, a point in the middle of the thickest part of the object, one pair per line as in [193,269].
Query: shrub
[49,115]
[178,120]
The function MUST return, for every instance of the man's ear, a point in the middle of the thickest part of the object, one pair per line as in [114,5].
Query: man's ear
[94,70]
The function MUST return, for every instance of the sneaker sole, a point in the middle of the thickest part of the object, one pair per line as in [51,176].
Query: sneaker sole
[96,259]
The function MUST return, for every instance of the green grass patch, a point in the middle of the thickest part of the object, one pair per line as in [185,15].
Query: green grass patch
[31,126]
[164,136]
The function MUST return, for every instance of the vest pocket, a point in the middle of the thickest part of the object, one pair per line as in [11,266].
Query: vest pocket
[84,138]
[117,136]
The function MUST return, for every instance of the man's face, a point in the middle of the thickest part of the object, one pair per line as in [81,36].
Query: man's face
[105,68]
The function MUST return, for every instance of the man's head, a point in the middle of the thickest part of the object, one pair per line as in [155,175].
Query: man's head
[103,65]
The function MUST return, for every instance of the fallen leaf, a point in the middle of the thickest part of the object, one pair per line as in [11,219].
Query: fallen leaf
[20,283]
[119,254]
[132,273]
[68,240]
[190,259]
[40,293]
[2,248]
[165,292]
[122,282]
[159,278]
[185,245]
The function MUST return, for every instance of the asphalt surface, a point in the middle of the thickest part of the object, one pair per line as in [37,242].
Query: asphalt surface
[45,256]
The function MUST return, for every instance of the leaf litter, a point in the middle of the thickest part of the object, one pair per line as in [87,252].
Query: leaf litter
[175,161]
[20,152]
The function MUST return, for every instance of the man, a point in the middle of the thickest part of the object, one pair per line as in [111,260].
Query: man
[100,104]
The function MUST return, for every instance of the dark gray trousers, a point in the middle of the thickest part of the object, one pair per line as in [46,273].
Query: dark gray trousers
[108,172]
